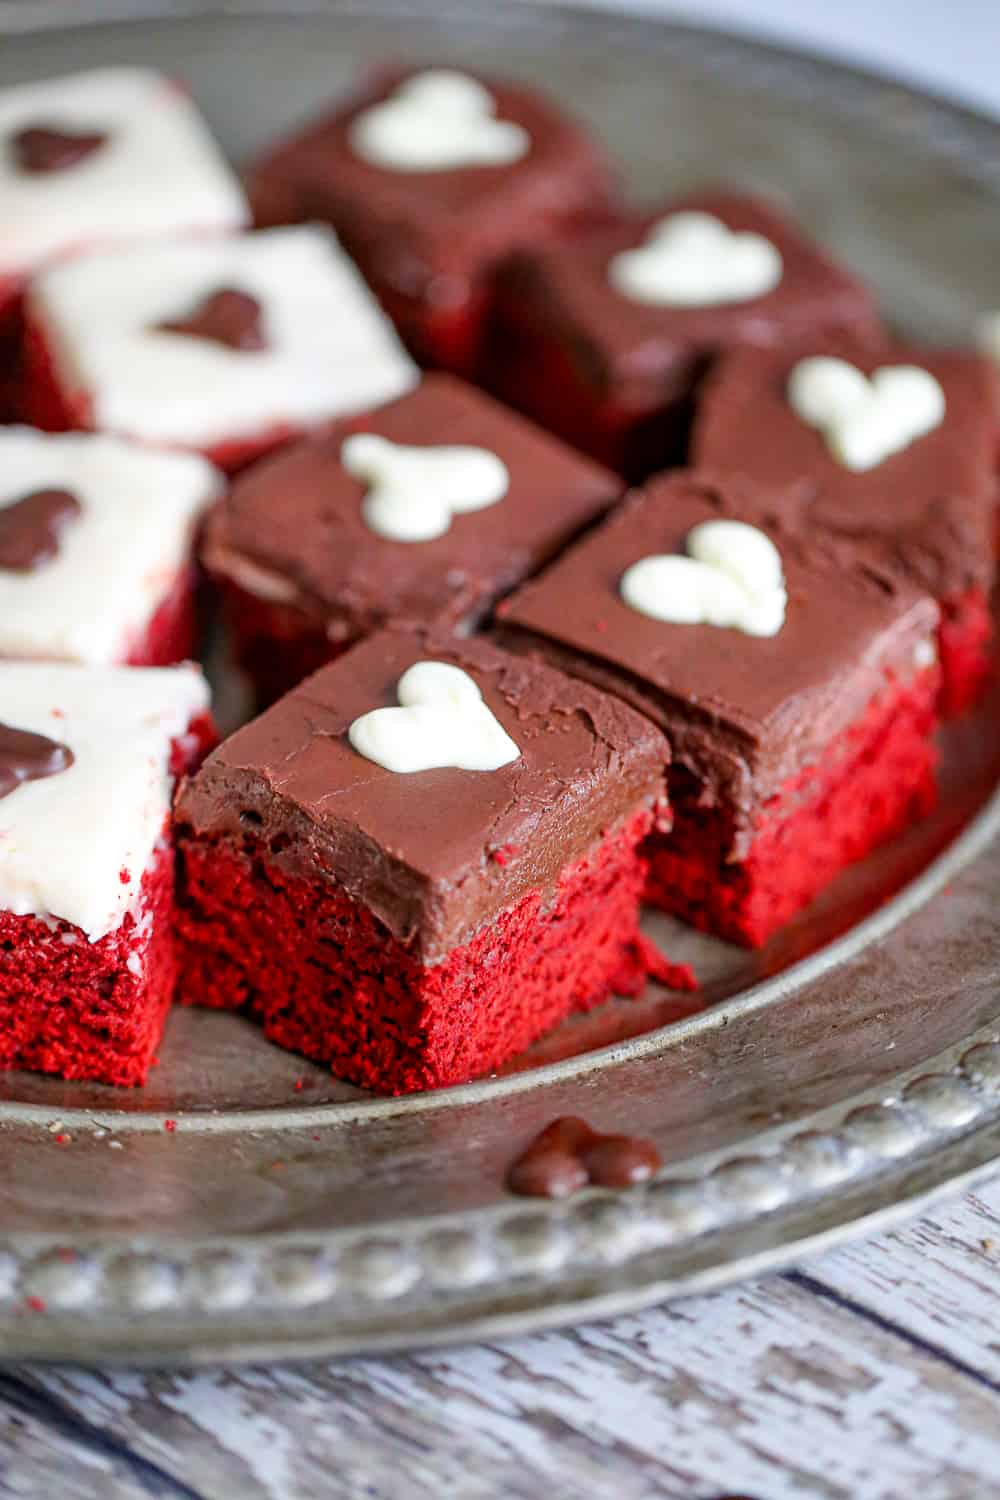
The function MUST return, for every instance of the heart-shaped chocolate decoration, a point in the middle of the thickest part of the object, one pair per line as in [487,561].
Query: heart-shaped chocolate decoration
[568,1155]
[228,316]
[31,529]
[29,757]
[41,149]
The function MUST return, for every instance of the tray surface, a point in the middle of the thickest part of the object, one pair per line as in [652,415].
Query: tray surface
[244,1203]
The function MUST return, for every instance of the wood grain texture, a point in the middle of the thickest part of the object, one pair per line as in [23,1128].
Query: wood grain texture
[871,1375]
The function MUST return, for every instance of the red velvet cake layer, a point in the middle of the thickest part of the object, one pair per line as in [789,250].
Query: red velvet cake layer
[965,646]
[874,780]
[276,645]
[90,1010]
[327,979]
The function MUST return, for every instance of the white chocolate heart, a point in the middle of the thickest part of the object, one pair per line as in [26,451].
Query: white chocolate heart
[694,260]
[731,578]
[442,721]
[865,420]
[413,493]
[435,121]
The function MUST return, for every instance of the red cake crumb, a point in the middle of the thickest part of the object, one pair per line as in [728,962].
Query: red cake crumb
[327,979]
[874,780]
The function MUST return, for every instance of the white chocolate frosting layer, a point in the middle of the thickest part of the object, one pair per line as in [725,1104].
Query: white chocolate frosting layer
[159,172]
[65,841]
[330,350]
[117,561]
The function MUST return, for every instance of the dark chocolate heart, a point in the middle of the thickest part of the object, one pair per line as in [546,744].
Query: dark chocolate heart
[29,757]
[31,528]
[228,316]
[41,149]
[568,1155]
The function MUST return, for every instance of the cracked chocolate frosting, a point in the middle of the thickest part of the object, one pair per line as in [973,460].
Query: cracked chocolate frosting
[434,854]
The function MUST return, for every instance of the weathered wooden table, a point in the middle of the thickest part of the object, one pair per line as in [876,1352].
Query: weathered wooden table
[873,1374]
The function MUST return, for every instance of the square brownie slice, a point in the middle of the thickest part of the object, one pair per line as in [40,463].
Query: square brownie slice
[96,548]
[414,927]
[930,501]
[88,757]
[431,177]
[371,521]
[223,346]
[603,339]
[97,158]
[801,722]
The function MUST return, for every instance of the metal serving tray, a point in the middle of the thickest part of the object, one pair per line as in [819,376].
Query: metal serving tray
[244,1204]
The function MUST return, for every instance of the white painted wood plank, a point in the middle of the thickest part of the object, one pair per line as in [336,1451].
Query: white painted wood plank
[765,1390]
[938,1278]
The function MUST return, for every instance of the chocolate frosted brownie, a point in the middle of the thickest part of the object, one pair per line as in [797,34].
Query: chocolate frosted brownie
[603,339]
[794,675]
[415,918]
[428,509]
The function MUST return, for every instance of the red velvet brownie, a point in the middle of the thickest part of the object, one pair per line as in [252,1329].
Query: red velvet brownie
[96,548]
[88,757]
[922,483]
[227,347]
[427,510]
[794,675]
[113,155]
[603,339]
[431,177]
[407,921]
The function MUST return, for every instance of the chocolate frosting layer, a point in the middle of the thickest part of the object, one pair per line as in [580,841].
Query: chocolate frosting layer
[931,504]
[31,528]
[434,854]
[292,527]
[428,233]
[646,351]
[227,316]
[742,712]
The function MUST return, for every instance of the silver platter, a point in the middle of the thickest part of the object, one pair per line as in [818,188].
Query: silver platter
[245,1205]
